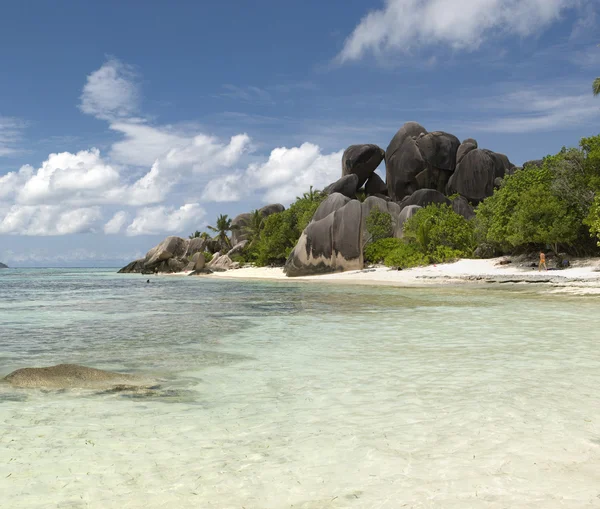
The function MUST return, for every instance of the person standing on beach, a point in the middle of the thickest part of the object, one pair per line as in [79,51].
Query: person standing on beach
[542,261]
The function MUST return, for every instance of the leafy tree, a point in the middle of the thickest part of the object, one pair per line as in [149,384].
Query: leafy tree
[440,233]
[596,86]
[280,232]
[379,225]
[223,225]
[195,235]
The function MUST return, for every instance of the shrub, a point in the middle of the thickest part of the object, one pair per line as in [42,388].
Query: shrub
[438,226]
[405,256]
[376,252]
[379,225]
[207,256]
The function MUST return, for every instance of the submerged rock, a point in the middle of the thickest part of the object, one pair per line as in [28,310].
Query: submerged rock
[69,376]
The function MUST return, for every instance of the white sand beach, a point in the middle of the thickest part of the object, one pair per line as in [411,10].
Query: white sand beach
[583,276]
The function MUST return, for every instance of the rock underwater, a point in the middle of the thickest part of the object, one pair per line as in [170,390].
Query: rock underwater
[71,376]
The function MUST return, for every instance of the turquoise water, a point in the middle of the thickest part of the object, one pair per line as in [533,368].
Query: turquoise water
[279,395]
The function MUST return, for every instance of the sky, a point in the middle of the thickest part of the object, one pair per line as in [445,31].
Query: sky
[124,122]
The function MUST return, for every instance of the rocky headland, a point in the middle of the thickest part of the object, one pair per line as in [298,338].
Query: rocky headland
[3,266]
[421,168]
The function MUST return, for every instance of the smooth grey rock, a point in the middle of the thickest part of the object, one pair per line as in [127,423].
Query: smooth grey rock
[361,160]
[347,186]
[221,263]
[238,248]
[197,245]
[375,185]
[472,141]
[331,244]
[238,223]
[274,208]
[198,261]
[461,206]
[330,204]
[404,161]
[136,266]
[68,376]
[424,197]
[474,177]
[536,163]
[439,149]
[463,150]
[168,248]
[501,163]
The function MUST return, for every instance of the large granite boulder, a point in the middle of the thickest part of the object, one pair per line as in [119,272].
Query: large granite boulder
[174,254]
[168,248]
[472,141]
[376,186]
[439,149]
[197,262]
[404,161]
[424,197]
[474,177]
[238,225]
[463,150]
[461,206]
[69,376]
[330,204]
[347,185]
[502,165]
[362,161]
[220,263]
[331,244]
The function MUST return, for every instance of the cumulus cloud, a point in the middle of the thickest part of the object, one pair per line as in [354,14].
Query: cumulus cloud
[111,92]
[406,25]
[48,220]
[115,225]
[155,220]
[287,173]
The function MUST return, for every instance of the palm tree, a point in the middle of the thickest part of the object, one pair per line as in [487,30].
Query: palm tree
[223,225]
[195,235]
[253,228]
[596,86]
[312,195]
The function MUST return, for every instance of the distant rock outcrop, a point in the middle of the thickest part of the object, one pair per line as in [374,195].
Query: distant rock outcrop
[3,266]
[241,221]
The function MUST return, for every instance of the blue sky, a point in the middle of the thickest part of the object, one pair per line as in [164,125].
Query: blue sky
[124,122]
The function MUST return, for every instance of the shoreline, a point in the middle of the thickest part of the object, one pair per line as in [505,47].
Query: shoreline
[583,274]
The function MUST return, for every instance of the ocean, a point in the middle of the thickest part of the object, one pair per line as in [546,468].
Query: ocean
[299,395]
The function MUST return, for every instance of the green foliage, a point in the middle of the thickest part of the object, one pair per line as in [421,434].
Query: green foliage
[543,206]
[377,251]
[195,235]
[223,225]
[406,255]
[207,256]
[280,232]
[379,225]
[596,86]
[440,233]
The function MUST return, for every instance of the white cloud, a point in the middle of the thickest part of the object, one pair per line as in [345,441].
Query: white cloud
[49,220]
[163,219]
[226,188]
[80,178]
[111,92]
[406,25]
[287,173]
[538,109]
[10,134]
[115,225]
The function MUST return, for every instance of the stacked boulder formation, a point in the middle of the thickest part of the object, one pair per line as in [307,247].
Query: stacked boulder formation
[421,168]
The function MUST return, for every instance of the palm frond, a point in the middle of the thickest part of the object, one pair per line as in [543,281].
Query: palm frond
[596,86]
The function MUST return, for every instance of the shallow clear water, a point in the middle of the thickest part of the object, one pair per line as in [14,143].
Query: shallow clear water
[279,395]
